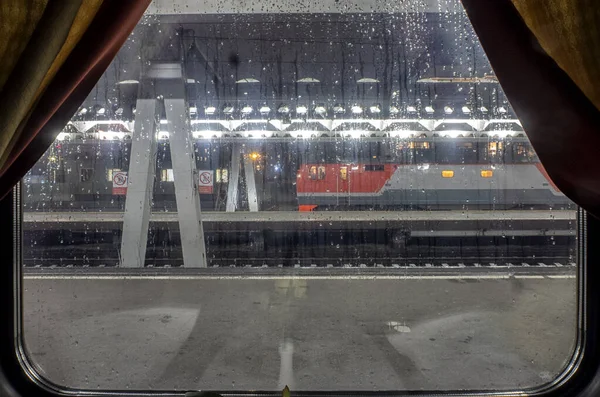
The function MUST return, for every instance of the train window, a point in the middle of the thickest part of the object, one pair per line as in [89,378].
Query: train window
[222,175]
[344,173]
[167,175]
[321,172]
[110,173]
[86,174]
[373,240]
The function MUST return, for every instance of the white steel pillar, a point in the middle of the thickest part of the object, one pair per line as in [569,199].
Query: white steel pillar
[234,179]
[186,183]
[140,185]
[250,184]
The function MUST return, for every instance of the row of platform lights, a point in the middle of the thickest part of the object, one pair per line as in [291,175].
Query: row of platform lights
[321,110]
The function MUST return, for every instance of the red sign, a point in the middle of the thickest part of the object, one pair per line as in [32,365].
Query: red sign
[119,183]
[205,182]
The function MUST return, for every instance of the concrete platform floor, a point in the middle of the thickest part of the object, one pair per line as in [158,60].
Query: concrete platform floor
[312,334]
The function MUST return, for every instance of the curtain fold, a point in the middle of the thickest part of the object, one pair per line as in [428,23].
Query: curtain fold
[58,62]
[537,50]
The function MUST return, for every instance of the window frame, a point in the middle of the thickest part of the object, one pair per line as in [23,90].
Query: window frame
[18,376]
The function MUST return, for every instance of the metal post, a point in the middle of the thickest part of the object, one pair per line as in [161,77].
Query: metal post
[250,184]
[234,179]
[186,184]
[140,185]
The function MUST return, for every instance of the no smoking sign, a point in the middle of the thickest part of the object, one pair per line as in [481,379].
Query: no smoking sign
[205,182]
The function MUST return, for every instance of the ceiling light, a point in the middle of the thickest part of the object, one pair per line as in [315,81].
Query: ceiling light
[284,109]
[193,110]
[83,111]
[264,109]
[483,109]
[502,110]
[301,109]
[394,110]
[247,81]
[210,110]
[339,109]
[101,112]
[247,109]
[320,110]
[367,80]
[123,82]
[429,109]
[466,110]
[356,109]
[228,109]
[119,112]
[308,80]
[411,109]
[374,109]
[448,110]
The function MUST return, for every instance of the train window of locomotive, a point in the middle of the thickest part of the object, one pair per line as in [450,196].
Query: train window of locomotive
[375,245]
[312,173]
[321,172]
[344,173]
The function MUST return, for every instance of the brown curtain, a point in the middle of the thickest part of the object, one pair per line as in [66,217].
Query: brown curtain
[546,55]
[52,54]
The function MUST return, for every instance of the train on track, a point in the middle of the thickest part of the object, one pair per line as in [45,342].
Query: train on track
[408,170]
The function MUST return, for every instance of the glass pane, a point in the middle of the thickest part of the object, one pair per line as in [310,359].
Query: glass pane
[350,203]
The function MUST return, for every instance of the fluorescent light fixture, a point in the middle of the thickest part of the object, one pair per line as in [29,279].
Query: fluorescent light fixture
[193,110]
[502,110]
[320,110]
[119,112]
[411,109]
[394,110]
[308,80]
[375,109]
[163,121]
[264,109]
[339,109]
[301,109]
[125,82]
[429,109]
[283,109]
[366,80]
[210,110]
[247,109]
[448,110]
[248,80]
[101,112]
[83,111]
[466,110]
[356,109]
[228,109]
[483,109]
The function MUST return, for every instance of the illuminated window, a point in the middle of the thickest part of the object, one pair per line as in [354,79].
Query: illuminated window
[494,148]
[374,167]
[418,145]
[487,173]
[343,173]
[312,173]
[447,174]
[110,173]
[166,175]
[222,175]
